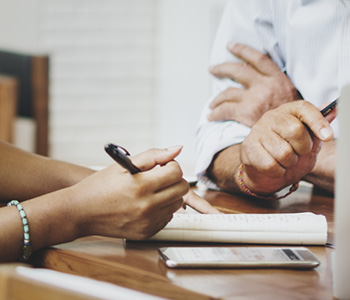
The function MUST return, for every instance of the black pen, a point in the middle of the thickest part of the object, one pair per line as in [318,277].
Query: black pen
[120,155]
[329,107]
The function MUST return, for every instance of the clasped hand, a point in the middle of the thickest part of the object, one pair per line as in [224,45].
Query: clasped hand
[265,87]
[283,145]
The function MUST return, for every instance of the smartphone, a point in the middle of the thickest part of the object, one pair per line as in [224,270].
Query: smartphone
[238,257]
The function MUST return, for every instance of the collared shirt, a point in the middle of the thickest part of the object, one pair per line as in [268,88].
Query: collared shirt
[307,39]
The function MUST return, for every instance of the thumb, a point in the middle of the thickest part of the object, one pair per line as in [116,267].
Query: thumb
[153,157]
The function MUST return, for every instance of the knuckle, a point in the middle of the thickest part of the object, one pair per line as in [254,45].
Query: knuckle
[261,58]
[269,115]
[139,189]
[267,166]
[271,168]
[287,156]
[175,169]
[241,67]
[267,93]
[144,209]
[302,105]
[227,94]
[297,130]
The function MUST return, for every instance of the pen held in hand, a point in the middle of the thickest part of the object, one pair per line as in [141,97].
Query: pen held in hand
[330,107]
[120,155]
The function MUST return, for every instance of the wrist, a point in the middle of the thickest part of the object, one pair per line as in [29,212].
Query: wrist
[268,196]
[70,175]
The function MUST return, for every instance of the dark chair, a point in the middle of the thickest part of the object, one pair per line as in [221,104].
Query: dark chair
[32,75]
[8,107]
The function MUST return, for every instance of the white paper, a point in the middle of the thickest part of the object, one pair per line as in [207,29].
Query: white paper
[296,228]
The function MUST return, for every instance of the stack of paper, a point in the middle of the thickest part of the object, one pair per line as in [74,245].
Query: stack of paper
[296,228]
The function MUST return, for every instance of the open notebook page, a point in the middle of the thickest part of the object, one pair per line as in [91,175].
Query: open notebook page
[295,228]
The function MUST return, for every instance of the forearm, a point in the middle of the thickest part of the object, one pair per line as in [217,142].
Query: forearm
[24,175]
[322,175]
[224,167]
[52,220]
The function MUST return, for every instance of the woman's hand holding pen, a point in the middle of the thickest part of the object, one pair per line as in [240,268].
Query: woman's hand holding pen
[283,145]
[115,203]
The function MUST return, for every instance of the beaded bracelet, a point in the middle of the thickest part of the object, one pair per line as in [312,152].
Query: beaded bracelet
[292,189]
[27,245]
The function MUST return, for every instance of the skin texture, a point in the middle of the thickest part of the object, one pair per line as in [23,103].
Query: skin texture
[280,150]
[265,87]
[64,201]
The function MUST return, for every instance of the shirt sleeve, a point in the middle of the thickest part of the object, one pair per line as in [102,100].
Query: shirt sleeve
[238,24]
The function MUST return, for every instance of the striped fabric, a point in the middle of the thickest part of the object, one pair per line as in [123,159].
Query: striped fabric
[308,39]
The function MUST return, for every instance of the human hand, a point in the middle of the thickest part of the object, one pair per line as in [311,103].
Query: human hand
[115,203]
[265,87]
[199,204]
[282,146]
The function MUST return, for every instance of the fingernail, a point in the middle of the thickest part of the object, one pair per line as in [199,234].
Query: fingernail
[325,133]
[231,45]
[174,148]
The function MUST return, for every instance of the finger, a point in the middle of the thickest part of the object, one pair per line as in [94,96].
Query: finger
[159,225]
[156,226]
[199,204]
[257,156]
[152,157]
[290,129]
[310,115]
[162,177]
[171,207]
[242,73]
[261,62]
[230,94]
[281,150]
[226,111]
[330,116]
[171,194]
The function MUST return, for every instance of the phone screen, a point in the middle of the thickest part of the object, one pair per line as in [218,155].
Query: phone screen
[296,257]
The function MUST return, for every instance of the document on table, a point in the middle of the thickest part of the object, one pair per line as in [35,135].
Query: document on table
[293,228]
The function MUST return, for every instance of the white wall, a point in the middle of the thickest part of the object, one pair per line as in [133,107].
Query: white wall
[18,25]
[132,72]
[185,31]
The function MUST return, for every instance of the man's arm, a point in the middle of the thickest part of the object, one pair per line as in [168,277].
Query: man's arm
[322,175]
[279,151]
[237,26]
[223,170]
[264,87]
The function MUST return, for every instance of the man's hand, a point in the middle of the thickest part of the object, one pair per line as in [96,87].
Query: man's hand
[282,146]
[265,87]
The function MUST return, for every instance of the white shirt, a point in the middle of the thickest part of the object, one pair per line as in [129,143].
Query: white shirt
[307,39]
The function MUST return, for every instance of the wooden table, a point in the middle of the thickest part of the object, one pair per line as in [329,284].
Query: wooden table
[137,265]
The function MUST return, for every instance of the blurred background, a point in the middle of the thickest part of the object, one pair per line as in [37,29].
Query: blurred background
[131,72]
